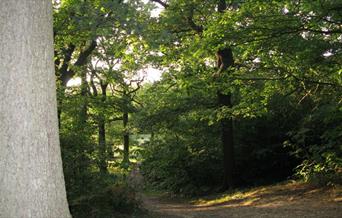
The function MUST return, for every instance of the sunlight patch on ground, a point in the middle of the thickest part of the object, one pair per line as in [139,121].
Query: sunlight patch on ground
[246,198]
[270,196]
[338,199]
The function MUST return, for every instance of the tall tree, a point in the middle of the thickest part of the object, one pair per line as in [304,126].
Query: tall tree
[194,18]
[31,182]
[127,93]
[224,62]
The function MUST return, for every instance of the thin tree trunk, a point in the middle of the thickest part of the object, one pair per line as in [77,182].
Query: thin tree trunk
[31,174]
[60,96]
[101,122]
[84,107]
[102,144]
[125,138]
[102,132]
[82,125]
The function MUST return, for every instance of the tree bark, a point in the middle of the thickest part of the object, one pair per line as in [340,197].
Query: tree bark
[102,132]
[31,174]
[224,61]
[227,140]
[83,116]
[102,144]
[125,138]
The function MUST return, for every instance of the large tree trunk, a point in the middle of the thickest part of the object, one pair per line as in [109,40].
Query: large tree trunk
[31,175]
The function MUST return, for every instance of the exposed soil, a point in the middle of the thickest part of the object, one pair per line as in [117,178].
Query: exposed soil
[286,200]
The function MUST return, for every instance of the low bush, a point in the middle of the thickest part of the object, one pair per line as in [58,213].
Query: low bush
[113,201]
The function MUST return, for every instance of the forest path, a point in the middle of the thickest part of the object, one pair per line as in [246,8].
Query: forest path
[287,200]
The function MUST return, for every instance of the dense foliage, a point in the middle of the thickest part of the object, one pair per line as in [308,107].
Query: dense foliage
[285,86]
[265,73]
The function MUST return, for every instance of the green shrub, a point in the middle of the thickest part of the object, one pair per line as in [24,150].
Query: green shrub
[325,170]
[112,201]
[318,141]
[178,168]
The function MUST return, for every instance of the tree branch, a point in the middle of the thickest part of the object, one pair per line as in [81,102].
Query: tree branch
[63,71]
[82,59]
[67,74]
[93,86]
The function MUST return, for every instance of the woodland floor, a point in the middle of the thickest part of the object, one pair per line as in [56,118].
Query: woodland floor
[284,200]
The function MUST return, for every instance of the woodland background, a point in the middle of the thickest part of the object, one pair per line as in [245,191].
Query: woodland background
[250,95]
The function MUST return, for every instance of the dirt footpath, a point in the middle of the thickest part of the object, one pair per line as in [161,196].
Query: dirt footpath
[287,200]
